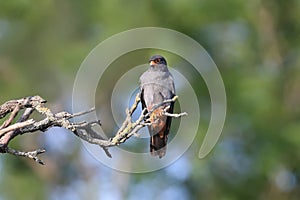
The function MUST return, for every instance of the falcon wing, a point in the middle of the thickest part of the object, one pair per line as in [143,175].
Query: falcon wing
[143,101]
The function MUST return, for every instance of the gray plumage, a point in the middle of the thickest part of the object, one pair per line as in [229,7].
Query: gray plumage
[157,85]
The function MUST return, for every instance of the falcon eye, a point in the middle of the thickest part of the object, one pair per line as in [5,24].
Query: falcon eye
[157,60]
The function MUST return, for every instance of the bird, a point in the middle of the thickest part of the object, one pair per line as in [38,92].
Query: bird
[156,86]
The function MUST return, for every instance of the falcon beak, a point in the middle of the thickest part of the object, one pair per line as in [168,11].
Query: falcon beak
[152,62]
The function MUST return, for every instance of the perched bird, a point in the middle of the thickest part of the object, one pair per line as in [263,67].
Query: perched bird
[157,85]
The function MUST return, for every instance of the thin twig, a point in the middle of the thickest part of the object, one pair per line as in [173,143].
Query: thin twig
[175,114]
[26,114]
[11,117]
[30,154]
[82,113]
[15,126]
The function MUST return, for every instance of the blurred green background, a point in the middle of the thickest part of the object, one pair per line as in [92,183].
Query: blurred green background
[255,45]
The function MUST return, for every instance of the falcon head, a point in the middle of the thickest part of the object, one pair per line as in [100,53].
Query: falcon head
[157,60]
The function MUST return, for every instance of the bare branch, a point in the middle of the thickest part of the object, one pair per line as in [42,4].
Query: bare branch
[26,102]
[26,114]
[175,114]
[82,113]
[15,126]
[11,117]
[83,129]
[30,154]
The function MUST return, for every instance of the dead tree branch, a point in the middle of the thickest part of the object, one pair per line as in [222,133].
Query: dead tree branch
[83,129]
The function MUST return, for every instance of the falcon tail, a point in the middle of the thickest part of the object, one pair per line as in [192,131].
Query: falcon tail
[158,145]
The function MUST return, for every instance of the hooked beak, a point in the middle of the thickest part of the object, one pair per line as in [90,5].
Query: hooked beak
[152,62]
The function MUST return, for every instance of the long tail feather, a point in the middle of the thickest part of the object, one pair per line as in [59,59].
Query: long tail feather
[158,145]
